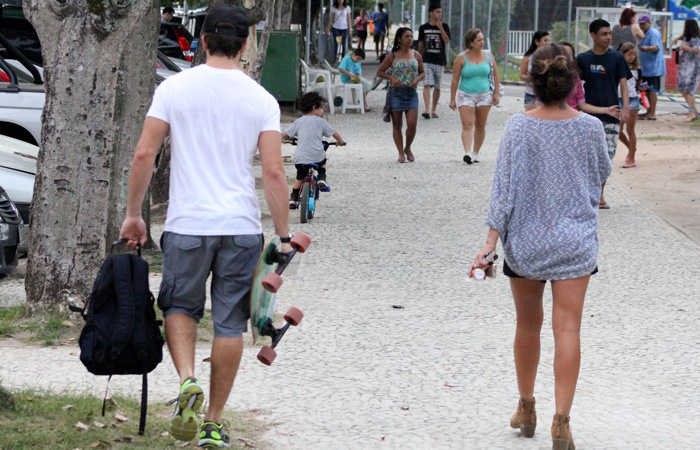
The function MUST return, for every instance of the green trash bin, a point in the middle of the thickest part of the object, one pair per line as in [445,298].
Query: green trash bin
[281,74]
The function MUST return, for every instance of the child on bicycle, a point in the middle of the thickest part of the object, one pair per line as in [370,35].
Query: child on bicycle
[310,130]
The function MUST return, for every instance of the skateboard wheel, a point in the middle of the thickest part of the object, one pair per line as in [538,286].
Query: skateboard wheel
[294,316]
[266,355]
[272,282]
[300,241]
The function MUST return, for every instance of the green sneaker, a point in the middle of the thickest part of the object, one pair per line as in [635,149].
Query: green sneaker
[213,436]
[183,425]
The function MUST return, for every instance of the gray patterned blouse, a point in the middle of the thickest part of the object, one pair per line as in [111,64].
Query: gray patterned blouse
[545,193]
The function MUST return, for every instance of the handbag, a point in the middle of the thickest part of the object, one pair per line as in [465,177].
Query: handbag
[501,89]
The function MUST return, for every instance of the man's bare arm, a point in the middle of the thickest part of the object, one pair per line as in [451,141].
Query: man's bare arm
[274,180]
[152,137]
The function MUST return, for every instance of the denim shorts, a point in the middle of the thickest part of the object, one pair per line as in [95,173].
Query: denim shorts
[187,262]
[529,99]
[634,103]
[403,98]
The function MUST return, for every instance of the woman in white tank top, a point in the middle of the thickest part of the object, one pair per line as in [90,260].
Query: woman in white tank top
[338,25]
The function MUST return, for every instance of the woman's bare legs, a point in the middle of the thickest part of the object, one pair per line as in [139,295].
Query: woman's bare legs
[482,113]
[411,121]
[566,324]
[528,307]
[467,116]
[690,99]
[630,140]
[397,124]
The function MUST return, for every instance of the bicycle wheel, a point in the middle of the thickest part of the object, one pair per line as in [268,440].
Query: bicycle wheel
[312,201]
[304,203]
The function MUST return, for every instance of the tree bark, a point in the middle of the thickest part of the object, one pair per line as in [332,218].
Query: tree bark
[262,46]
[99,75]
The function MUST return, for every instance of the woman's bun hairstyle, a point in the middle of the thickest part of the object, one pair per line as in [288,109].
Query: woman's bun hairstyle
[553,73]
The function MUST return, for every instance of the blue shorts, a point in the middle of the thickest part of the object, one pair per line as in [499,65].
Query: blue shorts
[634,103]
[403,98]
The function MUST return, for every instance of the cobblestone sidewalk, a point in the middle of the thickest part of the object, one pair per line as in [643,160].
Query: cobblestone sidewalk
[438,373]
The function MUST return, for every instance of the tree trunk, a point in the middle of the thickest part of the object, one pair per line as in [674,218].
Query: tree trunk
[283,15]
[264,39]
[160,187]
[98,69]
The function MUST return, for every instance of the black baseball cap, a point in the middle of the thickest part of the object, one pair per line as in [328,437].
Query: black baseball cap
[234,16]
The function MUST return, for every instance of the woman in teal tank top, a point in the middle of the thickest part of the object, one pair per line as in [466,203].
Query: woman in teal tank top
[475,88]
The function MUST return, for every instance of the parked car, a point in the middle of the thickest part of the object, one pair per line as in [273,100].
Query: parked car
[17,171]
[9,233]
[22,96]
[22,93]
[175,41]
[192,19]
[19,31]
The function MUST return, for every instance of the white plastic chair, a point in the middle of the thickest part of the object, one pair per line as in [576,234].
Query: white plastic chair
[313,85]
[335,73]
[352,91]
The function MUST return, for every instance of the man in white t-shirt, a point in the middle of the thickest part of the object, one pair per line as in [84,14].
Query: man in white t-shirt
[217,117]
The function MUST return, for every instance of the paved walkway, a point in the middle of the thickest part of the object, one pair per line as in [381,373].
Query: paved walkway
[438,373]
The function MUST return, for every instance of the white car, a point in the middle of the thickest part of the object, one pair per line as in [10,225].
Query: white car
[17,171]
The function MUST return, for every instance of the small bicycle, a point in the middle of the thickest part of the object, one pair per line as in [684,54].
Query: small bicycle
[309,192]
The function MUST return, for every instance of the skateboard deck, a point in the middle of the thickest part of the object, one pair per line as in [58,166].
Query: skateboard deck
[262,301]
[263,295]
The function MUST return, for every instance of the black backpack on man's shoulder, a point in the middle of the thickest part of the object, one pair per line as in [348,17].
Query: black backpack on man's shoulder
[121,334]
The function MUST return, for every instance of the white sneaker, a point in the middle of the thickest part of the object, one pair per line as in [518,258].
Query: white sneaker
[467,158]
[475,157]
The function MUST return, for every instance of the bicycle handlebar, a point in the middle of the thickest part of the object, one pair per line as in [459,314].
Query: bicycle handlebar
[326,144]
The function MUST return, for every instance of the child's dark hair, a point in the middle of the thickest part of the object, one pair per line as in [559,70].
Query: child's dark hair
[553,73]
[359,52]
[309,101]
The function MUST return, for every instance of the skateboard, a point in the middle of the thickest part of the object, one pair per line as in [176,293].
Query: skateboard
[266,282]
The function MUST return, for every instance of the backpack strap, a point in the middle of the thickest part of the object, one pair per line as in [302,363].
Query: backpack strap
[124,322]
[144,403]
[139,286]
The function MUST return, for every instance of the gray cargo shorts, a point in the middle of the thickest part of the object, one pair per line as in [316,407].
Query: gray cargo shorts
[187,262]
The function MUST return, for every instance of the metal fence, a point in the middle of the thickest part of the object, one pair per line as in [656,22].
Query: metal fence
[519,42]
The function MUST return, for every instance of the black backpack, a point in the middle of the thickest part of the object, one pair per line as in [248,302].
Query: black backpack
[121,334]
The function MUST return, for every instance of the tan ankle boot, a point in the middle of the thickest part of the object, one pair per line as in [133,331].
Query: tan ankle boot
[561,433]
[525,418]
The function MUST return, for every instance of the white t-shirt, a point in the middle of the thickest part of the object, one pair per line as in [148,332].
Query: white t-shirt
[340,18]
[215,117]
[631,85]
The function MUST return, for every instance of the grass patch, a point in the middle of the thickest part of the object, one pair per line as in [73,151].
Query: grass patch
[670,138]
[155,262]
[43,420]
[205,331]
[49,328]
[9,318]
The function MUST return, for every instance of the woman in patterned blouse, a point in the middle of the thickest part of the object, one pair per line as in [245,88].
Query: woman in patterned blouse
[544,208]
